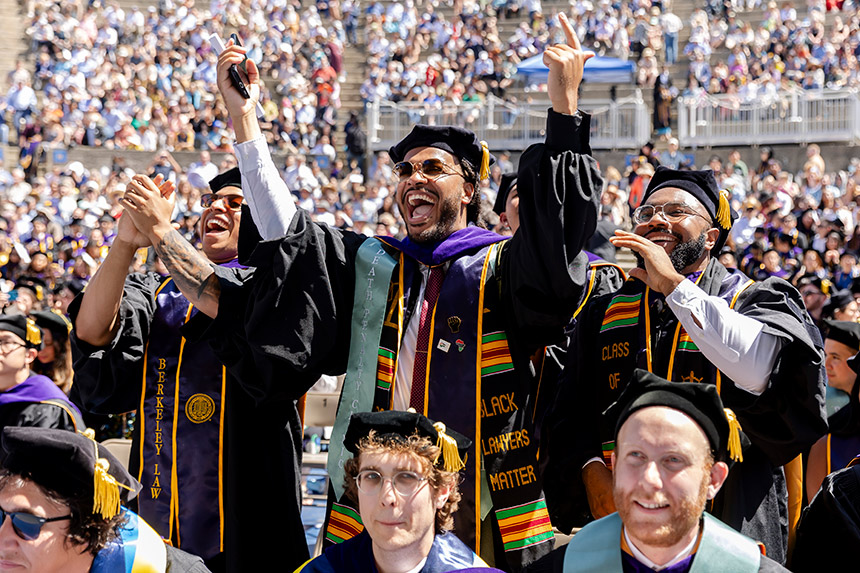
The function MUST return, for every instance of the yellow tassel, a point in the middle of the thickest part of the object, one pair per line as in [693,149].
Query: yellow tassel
[825,287]
[106,490]
[485,161]
[735,451]
[34,335]
[451,461]
[66,321]
[724,211]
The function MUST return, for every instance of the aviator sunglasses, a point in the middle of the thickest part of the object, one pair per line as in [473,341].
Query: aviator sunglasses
[430,168]
[26,525]
[232,201]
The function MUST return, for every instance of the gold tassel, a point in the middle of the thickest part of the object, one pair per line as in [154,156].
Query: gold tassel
[735,451]
[485,161]
[724,211]
[106,490]
[451,461]
[34,335]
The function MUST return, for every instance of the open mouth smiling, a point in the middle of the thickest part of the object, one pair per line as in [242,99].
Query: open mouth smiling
[217,224]
[662,238]
[419,205]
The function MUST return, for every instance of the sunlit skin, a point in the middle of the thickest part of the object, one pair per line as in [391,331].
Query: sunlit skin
[15,362]
[662,478]
[219,228]
[655,240]
[511,215]
[433,208]
[839,374]
[48,352]
[402,528]
[51,552]
[849,313]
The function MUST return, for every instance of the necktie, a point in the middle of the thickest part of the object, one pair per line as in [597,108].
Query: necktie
[419,368]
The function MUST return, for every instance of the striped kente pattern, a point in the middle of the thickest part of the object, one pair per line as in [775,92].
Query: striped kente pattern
[623,310]
[385,369]
[524,525]
[495,354]
[344,523]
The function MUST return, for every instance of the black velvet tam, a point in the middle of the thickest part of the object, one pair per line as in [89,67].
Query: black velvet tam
[230,178]
[459,142]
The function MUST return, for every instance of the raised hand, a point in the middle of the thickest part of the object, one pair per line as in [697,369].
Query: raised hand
[126,230]
[659,272]
[241,110]
[565,63]
[149,206]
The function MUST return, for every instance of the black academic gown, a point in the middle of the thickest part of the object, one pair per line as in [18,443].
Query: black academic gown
[262,441]
[829,530]
[781,423]
[295,314]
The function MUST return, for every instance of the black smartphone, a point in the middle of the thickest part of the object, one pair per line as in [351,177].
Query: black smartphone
[234,72]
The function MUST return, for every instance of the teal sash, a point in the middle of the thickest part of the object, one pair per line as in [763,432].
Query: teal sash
[373,269]
[597,548]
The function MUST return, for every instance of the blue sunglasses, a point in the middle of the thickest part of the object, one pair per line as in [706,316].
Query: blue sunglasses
[26,525]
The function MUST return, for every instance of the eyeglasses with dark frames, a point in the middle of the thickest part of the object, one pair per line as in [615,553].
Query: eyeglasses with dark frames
[26,525]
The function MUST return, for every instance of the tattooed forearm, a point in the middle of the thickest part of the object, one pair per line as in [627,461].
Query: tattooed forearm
[192,272]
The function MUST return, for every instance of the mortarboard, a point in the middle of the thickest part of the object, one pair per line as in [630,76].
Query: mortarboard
[838,300]
[459,142]
[230,178]
[699,401]
[844,331]
[34,284]
[53,321]
[69,463]
[509,181]
[23,327]
[396,426]
[703,186]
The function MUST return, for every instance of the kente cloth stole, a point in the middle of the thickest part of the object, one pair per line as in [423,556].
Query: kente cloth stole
[597,549]
[474,389]
[182,403]
[627,339]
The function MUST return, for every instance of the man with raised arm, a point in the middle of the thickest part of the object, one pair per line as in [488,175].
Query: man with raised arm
[205,452]
[444,321]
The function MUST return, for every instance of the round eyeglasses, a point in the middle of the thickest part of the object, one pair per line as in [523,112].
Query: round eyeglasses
[672,212]
[370,482]
[430,168]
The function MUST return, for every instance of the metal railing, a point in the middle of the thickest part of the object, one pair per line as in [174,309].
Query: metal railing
[791,116]
[622,124]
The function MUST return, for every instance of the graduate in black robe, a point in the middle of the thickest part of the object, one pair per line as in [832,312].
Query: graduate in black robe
[208,454]
[321,297]
[636,327]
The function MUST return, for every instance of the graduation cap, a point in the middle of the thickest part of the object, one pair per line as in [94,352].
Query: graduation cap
[230,178]
[699,401]
[703,186]
[23,327]
[509,181]
[395,426]
[69,463]
[821,284]
[34,284]
[845,332]
[839,299]
[59,325]
[459,142]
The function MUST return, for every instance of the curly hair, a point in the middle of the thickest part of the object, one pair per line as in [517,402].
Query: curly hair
[85,527]
[425,453]
[473,209]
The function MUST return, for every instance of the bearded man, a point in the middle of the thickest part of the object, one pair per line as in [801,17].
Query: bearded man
[683,315]
[674,447]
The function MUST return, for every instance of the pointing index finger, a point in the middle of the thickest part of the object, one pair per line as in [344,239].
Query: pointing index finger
[572,40]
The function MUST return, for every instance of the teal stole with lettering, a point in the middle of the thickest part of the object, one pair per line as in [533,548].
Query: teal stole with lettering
[472,386]
[597,548]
